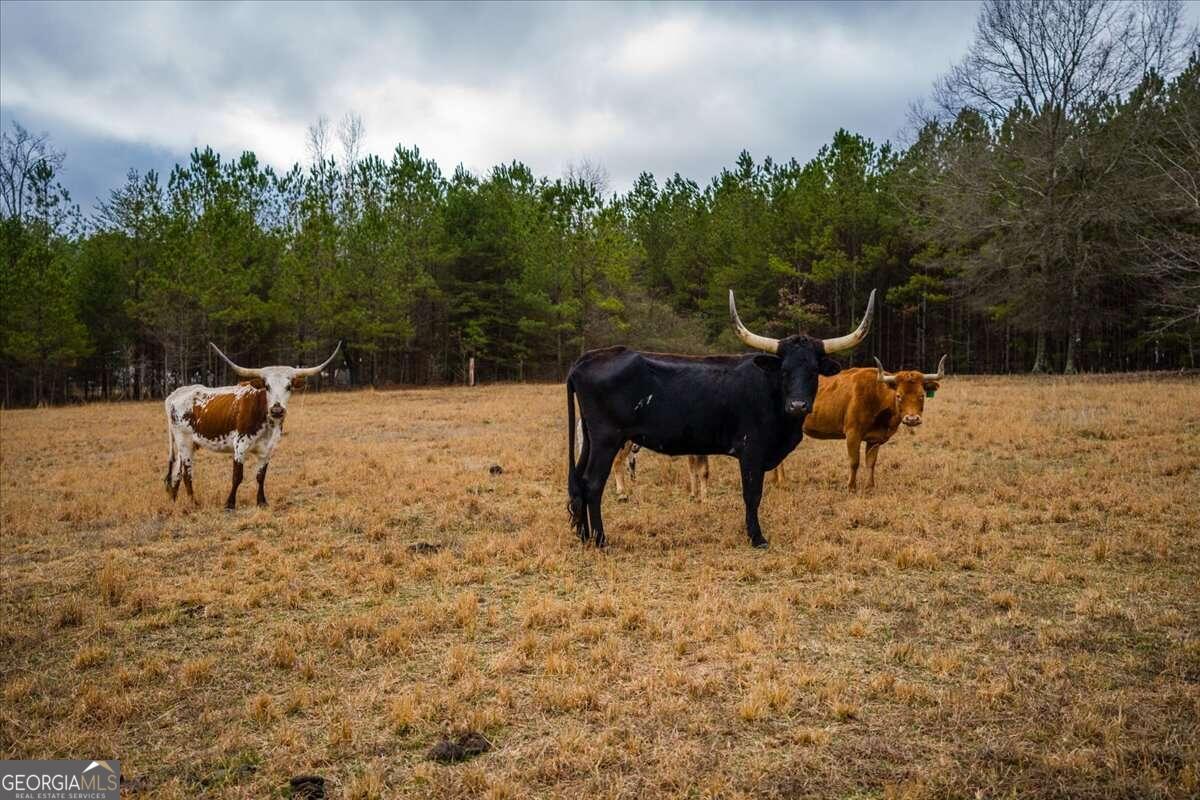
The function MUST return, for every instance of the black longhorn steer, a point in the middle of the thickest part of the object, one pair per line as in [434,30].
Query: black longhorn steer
[751,407]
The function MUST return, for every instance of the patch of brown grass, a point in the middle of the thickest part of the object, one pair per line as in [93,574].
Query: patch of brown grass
[1012,612]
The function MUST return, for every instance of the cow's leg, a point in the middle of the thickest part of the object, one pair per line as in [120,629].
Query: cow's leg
[600,461]
[872,454]
[853,446]
[173,486]
[262,479]
[185,466]
[175,466]
[693,478]
[620,464]
[752,484]
[231,502]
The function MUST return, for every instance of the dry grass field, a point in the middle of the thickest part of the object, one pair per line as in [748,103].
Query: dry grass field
[1014,612]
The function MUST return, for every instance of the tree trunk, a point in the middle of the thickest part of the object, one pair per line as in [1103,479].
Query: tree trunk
[1007,347]
[1073,342]
[1039,360]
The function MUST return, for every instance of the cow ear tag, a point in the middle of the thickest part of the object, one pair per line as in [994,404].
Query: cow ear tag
[930,392]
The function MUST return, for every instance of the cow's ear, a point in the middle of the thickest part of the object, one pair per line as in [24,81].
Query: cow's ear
[257,383]
[828,367]
[768,364]
[932,386]
[298,382]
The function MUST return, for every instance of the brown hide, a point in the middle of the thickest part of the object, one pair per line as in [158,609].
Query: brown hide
[856,401]
[244,412]
[856,406]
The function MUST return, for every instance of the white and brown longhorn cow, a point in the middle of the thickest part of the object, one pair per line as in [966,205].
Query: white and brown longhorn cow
[246,420]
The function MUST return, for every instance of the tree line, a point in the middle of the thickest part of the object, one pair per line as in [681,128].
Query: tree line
[1045,217]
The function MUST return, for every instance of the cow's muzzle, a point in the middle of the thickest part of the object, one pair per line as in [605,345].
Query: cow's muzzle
[796,408]
[912,420]
[277,411]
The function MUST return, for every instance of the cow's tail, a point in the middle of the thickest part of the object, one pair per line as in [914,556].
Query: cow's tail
[170,452]
[576,492]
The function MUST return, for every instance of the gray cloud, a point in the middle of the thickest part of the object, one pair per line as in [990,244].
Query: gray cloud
[664,88]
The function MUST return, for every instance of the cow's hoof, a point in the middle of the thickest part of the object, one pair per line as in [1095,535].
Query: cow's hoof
[230,509]
[761,544]
[263,504]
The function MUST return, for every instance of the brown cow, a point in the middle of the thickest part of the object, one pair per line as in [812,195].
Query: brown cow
[246,420]
[867,405]
[858,405]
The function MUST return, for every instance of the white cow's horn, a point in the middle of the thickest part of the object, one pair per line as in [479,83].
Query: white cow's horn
[310,371]
[850,340]
[751,339]
[941,373]
[243,371]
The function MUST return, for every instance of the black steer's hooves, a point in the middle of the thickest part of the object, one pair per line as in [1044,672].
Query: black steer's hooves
[761,544]
[230,509]
[263,504]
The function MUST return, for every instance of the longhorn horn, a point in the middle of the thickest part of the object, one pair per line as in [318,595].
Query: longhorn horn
[310,371]
[884,377]
[941,373]
[245,372]
[765,343]
[851,340]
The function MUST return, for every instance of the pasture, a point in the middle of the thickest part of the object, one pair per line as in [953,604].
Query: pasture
[1014,611]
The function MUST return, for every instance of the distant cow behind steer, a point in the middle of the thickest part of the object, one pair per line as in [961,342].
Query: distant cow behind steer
[861,405]
[624,462]
[751,407]
[246,420]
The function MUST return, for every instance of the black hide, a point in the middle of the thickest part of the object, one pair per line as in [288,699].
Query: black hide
[751,407]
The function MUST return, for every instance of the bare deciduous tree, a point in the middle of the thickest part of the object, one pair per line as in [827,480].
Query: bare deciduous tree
[351,133]
[1170,251]
[317,140]
[1037,75]
[590,173]
[22,155]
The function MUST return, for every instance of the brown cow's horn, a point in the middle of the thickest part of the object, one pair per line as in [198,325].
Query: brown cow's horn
[884,377]
[310,371]
[860,333]
[941,373]
[751,339]
[243,371]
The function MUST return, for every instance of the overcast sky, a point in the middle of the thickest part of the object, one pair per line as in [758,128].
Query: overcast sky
[665,88]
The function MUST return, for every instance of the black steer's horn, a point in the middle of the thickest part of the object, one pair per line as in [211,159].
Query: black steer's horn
[765,343]
[850,340]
